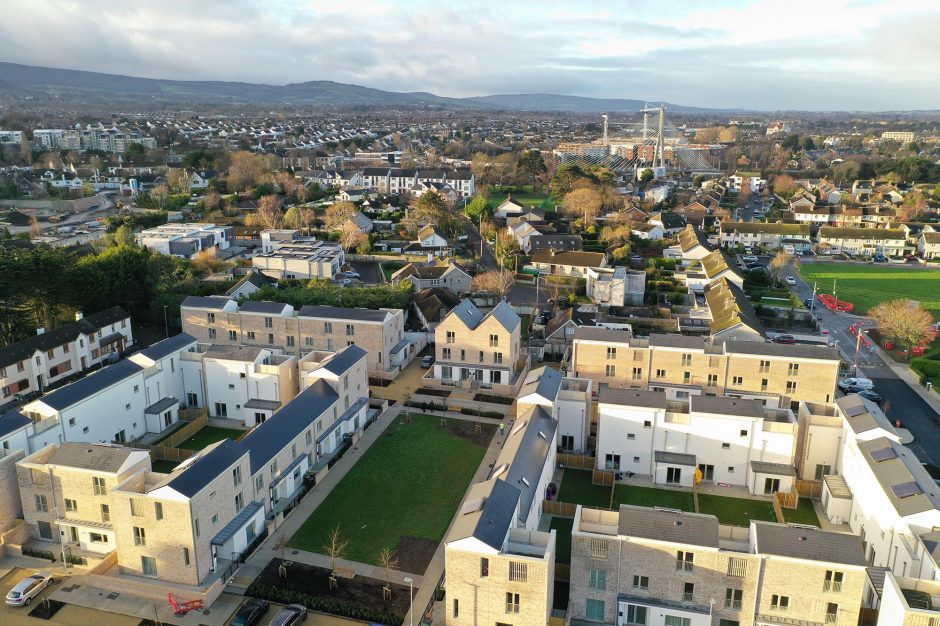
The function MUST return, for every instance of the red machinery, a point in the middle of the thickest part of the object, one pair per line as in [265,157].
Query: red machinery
[183,607]
[835,305]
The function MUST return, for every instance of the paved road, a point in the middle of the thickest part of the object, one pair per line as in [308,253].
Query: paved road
[369,271]
[521,293]
[488,261]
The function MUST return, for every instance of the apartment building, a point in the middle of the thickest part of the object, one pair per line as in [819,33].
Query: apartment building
[482,348]
[33,364]
[868,241]
[770,235]
[732,441]
[186,240]
[773,373]
[752,181]
[654,567]
[313,259]
[218,320]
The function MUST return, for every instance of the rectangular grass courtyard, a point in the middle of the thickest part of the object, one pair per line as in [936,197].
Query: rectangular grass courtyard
[868,285]
[209,435]
[402,494]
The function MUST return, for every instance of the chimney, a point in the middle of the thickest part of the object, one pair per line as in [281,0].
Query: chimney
[78,315]
[40,330]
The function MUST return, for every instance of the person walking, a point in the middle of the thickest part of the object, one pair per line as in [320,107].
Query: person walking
[502,428]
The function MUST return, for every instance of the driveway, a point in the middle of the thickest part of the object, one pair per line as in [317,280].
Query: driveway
[369,271]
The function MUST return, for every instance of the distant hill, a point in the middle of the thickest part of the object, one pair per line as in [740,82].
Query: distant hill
[77,87]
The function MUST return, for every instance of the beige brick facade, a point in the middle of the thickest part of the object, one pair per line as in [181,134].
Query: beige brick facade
[809,596]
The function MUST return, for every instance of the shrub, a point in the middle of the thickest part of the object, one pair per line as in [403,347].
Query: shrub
[488,397]
[927,368]
[492,414]
[426,406]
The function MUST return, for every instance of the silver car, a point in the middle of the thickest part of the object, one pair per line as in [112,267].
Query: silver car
[28,588]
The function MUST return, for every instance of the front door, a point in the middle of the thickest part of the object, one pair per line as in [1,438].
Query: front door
[73,534]
[567,442]
[167,419]
[708,471]
[771,486]
[673,475]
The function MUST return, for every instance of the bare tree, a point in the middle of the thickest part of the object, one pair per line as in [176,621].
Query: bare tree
[35,230]
[307,216]
[584,203]
[497,283]
[287,183]
[905,322]
[777,264]
[247,170]
[268,215]
[160,194]
[177,179]
[335,548]
[212,200]
[388,562]
[784,185]
[339,214]
[350,236]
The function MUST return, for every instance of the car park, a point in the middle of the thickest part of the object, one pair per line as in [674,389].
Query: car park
[23,592]
[352,274]
[290,615]
[250,613]
[784,339]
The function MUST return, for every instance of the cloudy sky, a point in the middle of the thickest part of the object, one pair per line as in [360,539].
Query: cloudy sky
[761,54]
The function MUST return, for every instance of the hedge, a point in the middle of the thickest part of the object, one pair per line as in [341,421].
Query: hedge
[492,414]
[927,368]
[488,397]
[320,603]
[426,406]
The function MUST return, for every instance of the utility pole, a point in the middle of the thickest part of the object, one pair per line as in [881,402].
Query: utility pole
[858,345]
[812,303]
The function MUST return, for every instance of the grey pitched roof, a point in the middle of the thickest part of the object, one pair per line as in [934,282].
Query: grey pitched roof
[73,393]
[211,462]
[543,381]
[525,451]
[663,525]
[677,341]
[90,456]
[796,351]
[342,313]
[254,277]
[166,347]
[472,317]
[496,516]
[263,307]
[12,421]
[809,544]
[265,405]
[269,438]
[674,458]
[233,353]
[342,360]
[722,405]
[777,469]
[205,302]
[632,397]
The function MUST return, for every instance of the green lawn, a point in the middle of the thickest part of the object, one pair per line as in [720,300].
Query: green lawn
[868,285]
[804,513]
[526,198]
[577,488]
[390,267]
[650,496]
[209,435]
[408,484]
[562,538]
[736,511]
[163,467]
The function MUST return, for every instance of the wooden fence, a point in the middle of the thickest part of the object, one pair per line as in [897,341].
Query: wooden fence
[785,500]
[576,461]
[603,478]
[166,450]
[559,509]
[808,488]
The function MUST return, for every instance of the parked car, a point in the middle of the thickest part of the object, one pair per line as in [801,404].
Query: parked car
[868,394]
[23,592]
[879,258]
[791,280]
[808,303]
[860,383]
[290,615]
[352,274]
[427,361]
[250,613]
[784,339]
[750,258]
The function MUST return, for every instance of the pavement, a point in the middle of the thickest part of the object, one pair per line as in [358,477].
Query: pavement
[369,272]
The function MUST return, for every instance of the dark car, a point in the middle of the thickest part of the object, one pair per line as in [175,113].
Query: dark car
[290,615]
[427,361]
[785,339]
[250,613]
[868,394]
[860,391]
[808,303]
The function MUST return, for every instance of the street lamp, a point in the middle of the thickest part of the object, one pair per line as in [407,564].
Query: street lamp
[166,324]
[411,601]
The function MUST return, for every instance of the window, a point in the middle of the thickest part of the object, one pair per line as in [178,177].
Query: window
[97,483]
[196,526]
[764,367]
[737,567]
[350,330]
[105,513]
[611,353]
[290,341]
[512,602]
[598,579]
[98,538]
[210,317]
[451,337]
[185,556]
[484,567]
[833,581]
[215,519]
[149,565]
[594,609]
[270,338]
[793,369]
[41,504]
[832,612]
[823,470]
[140,537]
[308,341]
[779,603]
[673,620]
[686,360]
[158,510]
[494,341]
[233,335]
[733,599]
[791,386]
[684,561]
[239,502]
[688,590]
[498,358]
[445,354]
[518,571]
[636,614]
[135,507]
[211,333]
[647,424]
[637,373]
[660,373]
[456,608]
[737,381]
[641,583]
[221,409]
[631,436]
[611,370]
[712,380]
[251,335]
[481,356]
[764,384]
[268,322]
[599,548]
[237,476]
[45,530]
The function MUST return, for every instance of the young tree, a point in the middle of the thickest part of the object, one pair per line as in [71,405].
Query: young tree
[123,236]
[904,322]
[389,562]
[777,265]
[497,283]
[268,215]
[338,214]
[335,548]
[35,230]
[478,207]
[584,203]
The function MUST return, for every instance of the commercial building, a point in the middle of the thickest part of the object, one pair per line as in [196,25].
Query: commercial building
[186,240]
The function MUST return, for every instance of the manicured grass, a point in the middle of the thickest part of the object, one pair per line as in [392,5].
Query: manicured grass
[576,488]
[163,467]
[525,198]
[563,526]
[736,511]
[868,285]
[408,484]
[390,267]
[804,513]
[650,496]
[209,435]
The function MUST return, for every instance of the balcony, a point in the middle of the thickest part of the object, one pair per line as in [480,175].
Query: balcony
[597,521]
[530,543]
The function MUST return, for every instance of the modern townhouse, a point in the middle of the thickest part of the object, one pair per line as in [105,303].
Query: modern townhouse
[186,240]
[568,400]
[751,180]
[218,320]
[445,274]
[567,263]
[726,440]
[773,373]
[479,349]
[770,235]
[650,567]
[313,259]
[274,238]
[868,241]
[33,364]
[617,286]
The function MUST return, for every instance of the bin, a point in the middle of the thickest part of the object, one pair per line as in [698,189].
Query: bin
[889,345]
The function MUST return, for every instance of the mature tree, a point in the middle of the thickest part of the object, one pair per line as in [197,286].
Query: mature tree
[530,167]
[307,217]
[477,208]
[613,235]
[268,214]
[784,185]
[728,135]
[744,194]
[506,249]
[585,204]
[566,179]
[430,206]
[350,236]
[177,179]
[288,183]
[647,175]
[497,282]
[904,322]
[160,194]
[247,170]
[292,218]
[212,200]
[778,264]
[338,214]
[124,236]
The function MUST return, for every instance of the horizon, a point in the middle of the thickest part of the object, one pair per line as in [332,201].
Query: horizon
[744,54]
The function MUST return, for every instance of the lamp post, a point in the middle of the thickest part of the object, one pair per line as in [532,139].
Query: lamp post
[166,324]
[411,601]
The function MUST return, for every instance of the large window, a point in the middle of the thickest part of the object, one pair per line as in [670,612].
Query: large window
[833,581]
[598,579]
[779,603]
[512,602]
[733,599]
[674,620]
[149,565]
[594,609]
[636,614]
[99,486]
[684,561]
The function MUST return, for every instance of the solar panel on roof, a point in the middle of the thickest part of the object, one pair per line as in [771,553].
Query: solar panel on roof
[852,411]
[883,454]
[905,490]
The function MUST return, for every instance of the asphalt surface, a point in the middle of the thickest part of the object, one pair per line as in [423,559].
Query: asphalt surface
[369,271]
[488,262]
[526,294]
